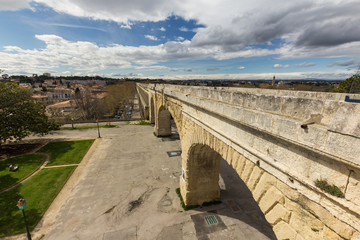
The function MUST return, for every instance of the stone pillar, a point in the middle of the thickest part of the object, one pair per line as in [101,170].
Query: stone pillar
[152,111]
[163,123]
[199,182]
[146,113]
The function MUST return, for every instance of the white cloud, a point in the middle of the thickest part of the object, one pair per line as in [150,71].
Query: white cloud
[180,39]
[255,76]
[14,4]
[126,25]
[327,27]
[151,37]
[305,64]
[281,66]
[241,68]
[184,29]
[345,63]
[162,29]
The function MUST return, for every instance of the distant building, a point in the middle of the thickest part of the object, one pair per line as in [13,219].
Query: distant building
[273,81]
[59,94]
[47,74]
[41,98]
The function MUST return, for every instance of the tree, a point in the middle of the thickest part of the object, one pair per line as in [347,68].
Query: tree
[20,114]
[348,84]
[120,96]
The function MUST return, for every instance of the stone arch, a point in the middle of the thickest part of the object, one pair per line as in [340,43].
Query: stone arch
[152,110]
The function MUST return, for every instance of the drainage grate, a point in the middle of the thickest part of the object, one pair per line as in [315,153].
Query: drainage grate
[173,153]
[211,220]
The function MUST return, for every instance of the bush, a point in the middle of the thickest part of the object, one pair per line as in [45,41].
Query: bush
[331,189]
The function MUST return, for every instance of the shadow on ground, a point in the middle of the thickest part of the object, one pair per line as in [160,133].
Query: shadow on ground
[238,211]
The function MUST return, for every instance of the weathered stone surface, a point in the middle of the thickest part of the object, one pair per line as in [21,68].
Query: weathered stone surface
[289,192]
[265,182]
[306,224]
[283,231]
[347,120]
[277,214]
[326,217]
[329,234]
[270,199]
[254,177]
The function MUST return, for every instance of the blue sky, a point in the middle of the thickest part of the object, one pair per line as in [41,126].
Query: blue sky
[226,39]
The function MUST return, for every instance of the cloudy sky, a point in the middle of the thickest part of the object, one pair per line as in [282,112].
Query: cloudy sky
[187,39]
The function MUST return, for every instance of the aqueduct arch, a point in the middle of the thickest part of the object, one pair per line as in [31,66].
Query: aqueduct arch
[260,134]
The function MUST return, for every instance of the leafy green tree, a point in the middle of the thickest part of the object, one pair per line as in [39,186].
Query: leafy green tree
[345,86]
[20,114]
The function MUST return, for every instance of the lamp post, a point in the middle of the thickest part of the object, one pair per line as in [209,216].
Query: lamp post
[21,205]
[97,122]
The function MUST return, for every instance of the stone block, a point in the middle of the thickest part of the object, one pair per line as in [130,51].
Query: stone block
[271,197]
[307,225]
[247,170]
[289,192]
[240,165]
[264,183]
[254,177]
[326,217]
[299,237]
[329,234]
[277,214]
[284,232]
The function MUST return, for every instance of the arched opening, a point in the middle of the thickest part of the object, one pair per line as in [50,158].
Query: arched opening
[163,123]
[152,111]
[208,177]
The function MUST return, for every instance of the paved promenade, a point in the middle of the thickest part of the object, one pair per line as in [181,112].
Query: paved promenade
[125,189]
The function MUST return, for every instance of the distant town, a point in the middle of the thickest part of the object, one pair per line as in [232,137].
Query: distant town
[80,98]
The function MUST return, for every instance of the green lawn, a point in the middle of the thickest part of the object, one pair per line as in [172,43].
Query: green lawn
[88,127]
[67,152]
[39,192]
[27,163]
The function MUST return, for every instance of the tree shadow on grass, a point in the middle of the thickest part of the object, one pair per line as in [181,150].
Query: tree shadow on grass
[11,218]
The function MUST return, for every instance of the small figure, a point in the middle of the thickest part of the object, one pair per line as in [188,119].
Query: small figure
[13,168]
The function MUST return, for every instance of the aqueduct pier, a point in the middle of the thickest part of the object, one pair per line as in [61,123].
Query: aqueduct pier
[279,142]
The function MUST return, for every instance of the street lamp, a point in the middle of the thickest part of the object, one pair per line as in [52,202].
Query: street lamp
[21,205]
[97,122]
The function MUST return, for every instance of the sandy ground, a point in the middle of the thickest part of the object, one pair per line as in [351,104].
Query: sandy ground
[125,189]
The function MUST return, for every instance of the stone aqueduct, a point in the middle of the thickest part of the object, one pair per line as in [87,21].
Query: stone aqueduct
[279,142]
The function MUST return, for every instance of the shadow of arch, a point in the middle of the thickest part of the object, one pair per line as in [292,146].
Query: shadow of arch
[209,178]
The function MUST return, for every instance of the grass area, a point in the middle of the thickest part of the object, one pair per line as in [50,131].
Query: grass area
[331,189]
[67,152]
[27,163]
[143,123]
[39,192]
[88,127]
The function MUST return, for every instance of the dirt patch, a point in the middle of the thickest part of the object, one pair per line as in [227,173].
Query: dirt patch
[12,150]
[135,204]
